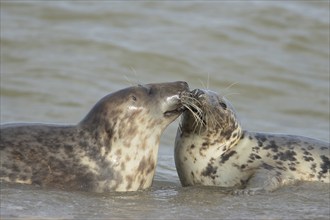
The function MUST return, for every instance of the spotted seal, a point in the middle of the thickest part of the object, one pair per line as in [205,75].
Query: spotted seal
[114,148]
[211,148]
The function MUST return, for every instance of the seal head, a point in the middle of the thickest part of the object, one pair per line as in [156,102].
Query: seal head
[210,116]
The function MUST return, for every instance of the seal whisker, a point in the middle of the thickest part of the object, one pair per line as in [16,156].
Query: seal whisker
[195,115]
[192,101]
[198,122]
[207,82]
[203,85]
[228,87]
[130,83]
[133,70]
[189,99]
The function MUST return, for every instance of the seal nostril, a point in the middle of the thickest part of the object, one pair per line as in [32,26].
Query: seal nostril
[223,105]
[197,92]
[183,83]
[184,86]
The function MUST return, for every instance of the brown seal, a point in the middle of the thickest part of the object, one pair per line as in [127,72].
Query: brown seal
[114,148]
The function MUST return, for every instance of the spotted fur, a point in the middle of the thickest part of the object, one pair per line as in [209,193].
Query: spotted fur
[212,149]
[114,148]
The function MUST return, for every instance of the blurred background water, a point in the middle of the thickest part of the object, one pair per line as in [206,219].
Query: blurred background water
[270,58]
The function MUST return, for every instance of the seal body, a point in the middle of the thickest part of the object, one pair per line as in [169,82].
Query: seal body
[211,148]
[114,148]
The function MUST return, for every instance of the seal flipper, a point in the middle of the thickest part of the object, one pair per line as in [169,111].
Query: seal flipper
[264,181]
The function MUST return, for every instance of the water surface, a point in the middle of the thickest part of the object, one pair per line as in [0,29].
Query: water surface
[270,58]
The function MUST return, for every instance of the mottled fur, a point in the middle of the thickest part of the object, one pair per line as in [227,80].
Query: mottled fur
[212,149]
[114,148]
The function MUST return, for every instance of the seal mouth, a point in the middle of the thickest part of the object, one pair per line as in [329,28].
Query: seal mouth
[177,107]
[178,110]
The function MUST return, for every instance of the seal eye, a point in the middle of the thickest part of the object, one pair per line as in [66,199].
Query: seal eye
[134,98]
[223,105]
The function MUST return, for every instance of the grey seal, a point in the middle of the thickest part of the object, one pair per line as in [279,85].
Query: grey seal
[114,148]
[211,148]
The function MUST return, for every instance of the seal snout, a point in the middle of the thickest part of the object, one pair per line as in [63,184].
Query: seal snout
[174,106]
[184,85]
[197,93]
[192,100]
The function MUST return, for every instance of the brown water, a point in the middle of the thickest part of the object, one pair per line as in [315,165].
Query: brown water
[270,58]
